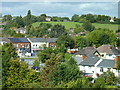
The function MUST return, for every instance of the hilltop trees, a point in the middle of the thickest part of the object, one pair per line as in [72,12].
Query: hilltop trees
[75,18]
[7,18]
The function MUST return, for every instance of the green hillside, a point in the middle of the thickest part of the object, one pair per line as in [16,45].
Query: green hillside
[73,24]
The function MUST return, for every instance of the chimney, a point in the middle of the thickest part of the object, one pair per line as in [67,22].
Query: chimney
[116,61]
[83,57]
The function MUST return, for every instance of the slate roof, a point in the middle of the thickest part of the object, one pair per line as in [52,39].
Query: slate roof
[51,39]
[87,51]
[37,39]
[43,39]
[4,39]
[108,49]
[18,40]
[106,63]
[77,59]
[90,61]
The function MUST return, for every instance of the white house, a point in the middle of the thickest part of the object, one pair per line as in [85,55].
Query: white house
[94,66]
[39,43]
[112,19]
[48,19]
[108,52]
[21,30]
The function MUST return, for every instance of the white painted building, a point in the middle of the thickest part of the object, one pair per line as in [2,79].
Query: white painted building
[94,66]
[39,43]
[108,52]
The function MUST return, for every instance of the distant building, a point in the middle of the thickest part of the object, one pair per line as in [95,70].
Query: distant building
[112,19]
[21,30]
[48,19]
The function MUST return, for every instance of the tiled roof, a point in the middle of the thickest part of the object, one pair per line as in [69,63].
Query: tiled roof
[108,49]
[107,63]
[18,40]
[90,61]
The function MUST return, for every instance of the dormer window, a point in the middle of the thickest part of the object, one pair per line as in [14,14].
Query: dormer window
[101,69]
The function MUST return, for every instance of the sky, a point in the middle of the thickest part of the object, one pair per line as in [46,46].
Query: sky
[62,9]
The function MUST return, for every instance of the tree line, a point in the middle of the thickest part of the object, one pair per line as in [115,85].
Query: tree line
[20,21]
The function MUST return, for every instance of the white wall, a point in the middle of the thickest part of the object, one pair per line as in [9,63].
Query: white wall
[96,70]
[37,44]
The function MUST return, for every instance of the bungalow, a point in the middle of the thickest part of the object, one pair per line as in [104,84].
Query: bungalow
[21,30]
[94,66]
[88,51]
[48,19]
[108,52]
[22,45]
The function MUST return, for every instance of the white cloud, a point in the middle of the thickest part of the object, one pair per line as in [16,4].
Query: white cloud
[60,9]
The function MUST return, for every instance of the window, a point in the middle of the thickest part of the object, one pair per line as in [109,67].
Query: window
[101,69]
[25,45]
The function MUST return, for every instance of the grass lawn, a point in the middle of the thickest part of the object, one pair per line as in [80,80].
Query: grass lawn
[73,24]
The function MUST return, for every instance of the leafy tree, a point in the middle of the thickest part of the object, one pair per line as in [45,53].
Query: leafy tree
[82,42]
[6,18]
[28,19]
[109,78]
[8,52]
[65,72]
[75,18]
[50,67]
[66,41]
[19,35]
[99,83]
[45,54]
[19,21]
[78,30]
[57,30]
[36,63]
[88,26]
[100,37]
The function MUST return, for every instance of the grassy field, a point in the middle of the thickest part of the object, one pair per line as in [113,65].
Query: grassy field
[0,47]
[73,24]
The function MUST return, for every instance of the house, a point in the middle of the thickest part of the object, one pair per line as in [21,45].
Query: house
[88,66]
[112,19]
[94,66]
[21,30]
[4,40]
[39,43]
[108,52]
[22,46]
[51,42]
[48,19]
[88,51]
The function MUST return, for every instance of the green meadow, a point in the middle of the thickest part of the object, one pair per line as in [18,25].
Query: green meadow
[73,24]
